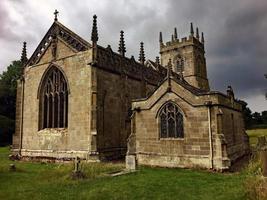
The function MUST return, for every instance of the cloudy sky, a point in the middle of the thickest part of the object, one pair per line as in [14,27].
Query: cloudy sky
[235,33]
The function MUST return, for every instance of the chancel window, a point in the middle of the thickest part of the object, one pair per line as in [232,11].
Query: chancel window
[54,100]
[171,122]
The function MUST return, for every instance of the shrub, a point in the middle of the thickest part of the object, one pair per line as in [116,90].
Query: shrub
[255,184]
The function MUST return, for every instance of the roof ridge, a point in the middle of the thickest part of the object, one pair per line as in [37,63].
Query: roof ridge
[63,32]
[74,34]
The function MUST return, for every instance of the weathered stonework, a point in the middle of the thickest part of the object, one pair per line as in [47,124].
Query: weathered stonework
[103,119]
[100,92]
[211,139]
[76,137]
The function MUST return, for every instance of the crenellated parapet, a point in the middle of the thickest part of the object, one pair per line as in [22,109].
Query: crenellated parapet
[182,42]
[116,63]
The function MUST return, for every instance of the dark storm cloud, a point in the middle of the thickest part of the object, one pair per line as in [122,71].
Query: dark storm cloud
[238,52]
[235,31]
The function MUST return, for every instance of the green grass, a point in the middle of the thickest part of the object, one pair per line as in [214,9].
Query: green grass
[52,181]
[254,134]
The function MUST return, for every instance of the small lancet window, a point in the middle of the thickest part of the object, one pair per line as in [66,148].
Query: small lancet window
[199,67]
[54,100]
[179,63]
[171,122]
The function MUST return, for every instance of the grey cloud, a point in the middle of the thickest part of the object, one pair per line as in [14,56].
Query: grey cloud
[5,30]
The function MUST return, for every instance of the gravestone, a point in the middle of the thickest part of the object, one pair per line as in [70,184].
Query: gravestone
[77,172]
[77,165]
[130,161]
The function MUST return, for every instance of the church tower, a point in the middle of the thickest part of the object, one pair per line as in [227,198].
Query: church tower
[187,56]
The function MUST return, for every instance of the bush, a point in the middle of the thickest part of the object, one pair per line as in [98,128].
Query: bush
[255,184]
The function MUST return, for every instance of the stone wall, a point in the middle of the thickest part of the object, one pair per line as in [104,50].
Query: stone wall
[211,138]
[233,129]
[59,143]
[190,151]
[114,95]
[99,105]
[118,80]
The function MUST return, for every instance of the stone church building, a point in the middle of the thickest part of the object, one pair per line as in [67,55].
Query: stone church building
[77,98]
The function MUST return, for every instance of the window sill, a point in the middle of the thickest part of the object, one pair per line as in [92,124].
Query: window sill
[178,139]
[54,131]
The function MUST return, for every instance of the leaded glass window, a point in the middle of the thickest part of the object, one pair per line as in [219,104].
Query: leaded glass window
[54,100]
[171,121]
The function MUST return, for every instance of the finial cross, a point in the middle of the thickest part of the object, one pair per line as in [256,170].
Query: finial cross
[56,14]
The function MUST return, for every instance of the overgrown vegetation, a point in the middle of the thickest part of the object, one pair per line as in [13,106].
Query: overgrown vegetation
[52,181]
[255,184]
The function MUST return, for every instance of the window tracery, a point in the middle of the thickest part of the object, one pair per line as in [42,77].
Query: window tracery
[171,122]
[54,100]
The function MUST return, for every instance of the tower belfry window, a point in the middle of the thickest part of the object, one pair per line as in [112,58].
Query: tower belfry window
[179,63]
[54,100]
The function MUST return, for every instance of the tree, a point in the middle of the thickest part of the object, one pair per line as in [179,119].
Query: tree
[247,117]
[257,118]
[8,85]
[246,114]
[7,127]
[264,116]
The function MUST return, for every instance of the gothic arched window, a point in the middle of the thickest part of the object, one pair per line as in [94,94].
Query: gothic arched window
[171,121]
[53,98]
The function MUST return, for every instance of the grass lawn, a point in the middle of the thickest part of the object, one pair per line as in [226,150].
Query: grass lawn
[51,181]
[254,134]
